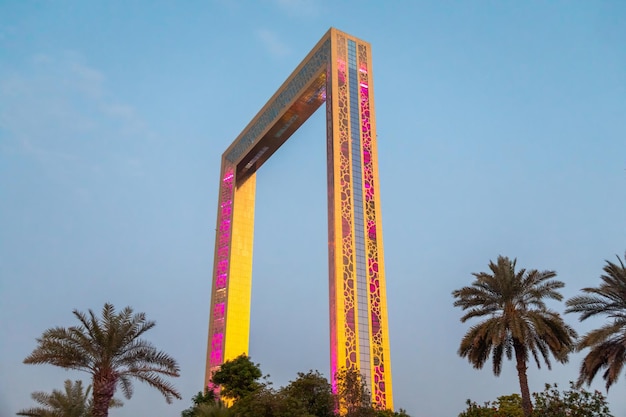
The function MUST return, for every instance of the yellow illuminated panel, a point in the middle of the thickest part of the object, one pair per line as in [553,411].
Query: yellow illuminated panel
[240,285]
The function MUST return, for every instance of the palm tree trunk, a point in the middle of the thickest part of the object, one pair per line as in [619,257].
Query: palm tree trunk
[104,383]
[520,357]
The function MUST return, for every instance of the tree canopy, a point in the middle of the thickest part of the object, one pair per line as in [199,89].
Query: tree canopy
[309,395]
[201,398]
[575,402]
[238,378]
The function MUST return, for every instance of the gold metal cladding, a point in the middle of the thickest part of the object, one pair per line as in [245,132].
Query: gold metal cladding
[338,71]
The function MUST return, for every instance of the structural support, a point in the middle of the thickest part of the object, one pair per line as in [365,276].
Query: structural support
[337,71]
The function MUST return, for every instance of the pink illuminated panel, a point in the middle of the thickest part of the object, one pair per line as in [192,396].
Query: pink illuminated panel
[378,388]
[221,271]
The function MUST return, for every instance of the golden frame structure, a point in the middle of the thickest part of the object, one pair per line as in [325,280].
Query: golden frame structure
[337,71]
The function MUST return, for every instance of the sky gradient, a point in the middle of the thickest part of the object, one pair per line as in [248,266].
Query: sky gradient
[501,131]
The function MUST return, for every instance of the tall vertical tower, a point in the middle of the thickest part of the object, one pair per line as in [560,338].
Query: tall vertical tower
[337,71]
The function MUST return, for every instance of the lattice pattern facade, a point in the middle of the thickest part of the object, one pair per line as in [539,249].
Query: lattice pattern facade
[338,72]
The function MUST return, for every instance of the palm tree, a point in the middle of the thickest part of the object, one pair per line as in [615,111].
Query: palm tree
[110,349]
[608,343]
[74,402]
[517,320]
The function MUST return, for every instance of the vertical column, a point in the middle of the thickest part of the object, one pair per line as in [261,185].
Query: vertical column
[334,225]
[232,271]
[359,332]
[343,315]
[379,333]
[217,321]
[358,217]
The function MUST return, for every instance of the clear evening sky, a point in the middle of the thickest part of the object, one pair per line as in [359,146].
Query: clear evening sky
[501,130]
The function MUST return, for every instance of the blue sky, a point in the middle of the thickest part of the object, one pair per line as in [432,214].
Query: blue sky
[501,130]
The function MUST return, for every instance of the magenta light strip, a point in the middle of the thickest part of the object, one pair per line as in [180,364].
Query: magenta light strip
[332,236]
[374,281]
[221,270]
[346,221]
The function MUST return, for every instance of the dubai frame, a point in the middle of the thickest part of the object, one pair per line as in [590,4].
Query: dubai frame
[337,71]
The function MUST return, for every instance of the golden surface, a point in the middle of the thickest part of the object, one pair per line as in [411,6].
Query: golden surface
[240,273]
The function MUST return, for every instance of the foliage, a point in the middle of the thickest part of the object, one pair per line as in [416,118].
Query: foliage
[313,392]
[550,403]
[576,402]
[208,397]
[510,405]
[267,402]
[475,410]
[390,413]
[74,402]
[352,394]
[504,406]
[517,321]
[607,345]
[309,395]
[238,378]
[111,350]
[215,409]
[239,381]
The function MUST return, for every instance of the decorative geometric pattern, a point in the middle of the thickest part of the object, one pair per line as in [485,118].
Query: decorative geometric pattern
[269,116]
[378,389]
[220,279]
[347,246]
[337,71]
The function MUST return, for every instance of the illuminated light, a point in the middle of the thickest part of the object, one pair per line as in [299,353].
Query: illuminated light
[219,310]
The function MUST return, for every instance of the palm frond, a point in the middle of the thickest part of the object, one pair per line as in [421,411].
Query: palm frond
[608,332]
[155,381]
[514,319]
[126,385]
[72,402]
[111,349]
[607,344]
